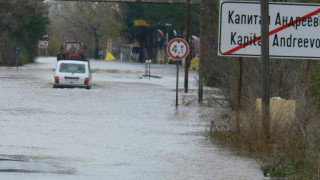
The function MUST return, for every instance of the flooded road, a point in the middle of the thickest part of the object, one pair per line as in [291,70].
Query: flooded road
[125,127]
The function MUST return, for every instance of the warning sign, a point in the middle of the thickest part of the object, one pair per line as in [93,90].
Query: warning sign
[110,57]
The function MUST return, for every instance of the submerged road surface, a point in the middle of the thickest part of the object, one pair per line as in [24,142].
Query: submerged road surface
[123,128]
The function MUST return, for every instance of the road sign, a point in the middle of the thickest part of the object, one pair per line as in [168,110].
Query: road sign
[16,50]
[178,49]
[43,44]
[294,30]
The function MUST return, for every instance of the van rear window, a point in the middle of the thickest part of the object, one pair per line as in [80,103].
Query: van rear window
[72,68]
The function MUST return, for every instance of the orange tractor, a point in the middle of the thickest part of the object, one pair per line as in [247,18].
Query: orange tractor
[71,50]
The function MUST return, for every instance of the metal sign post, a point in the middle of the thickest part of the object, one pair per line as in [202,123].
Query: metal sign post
[292,34]
[268,30]
[16,51]
[178,49]
[177,86]
[17,64]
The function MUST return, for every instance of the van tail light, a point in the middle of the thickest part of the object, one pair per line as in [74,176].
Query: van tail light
[86,80]
[57,79]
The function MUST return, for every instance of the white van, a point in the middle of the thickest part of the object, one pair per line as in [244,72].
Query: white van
[72,73]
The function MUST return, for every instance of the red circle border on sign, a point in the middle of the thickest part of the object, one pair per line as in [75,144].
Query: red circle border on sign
[184,42]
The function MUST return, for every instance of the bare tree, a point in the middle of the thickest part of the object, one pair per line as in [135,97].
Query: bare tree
[92,23]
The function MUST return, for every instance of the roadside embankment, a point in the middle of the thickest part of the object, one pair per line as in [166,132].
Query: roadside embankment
[293,149]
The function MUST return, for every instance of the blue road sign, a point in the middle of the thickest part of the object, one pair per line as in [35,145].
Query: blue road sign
[16,50]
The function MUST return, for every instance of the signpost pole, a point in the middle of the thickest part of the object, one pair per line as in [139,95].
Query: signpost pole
[178,49]
[265,94]
[308,80]
[17,61]
[307,91]
[240,62]
[177,86]
[16,50]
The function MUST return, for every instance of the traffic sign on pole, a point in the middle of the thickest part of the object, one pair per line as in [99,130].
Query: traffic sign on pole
[178,49]
[293,33]
[16,50]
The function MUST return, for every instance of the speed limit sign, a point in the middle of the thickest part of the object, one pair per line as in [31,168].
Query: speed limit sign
[178,49]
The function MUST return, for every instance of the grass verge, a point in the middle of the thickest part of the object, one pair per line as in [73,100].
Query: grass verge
[292,152]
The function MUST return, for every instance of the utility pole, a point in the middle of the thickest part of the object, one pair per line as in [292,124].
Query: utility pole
[187,62]
[201,60]
[265,94]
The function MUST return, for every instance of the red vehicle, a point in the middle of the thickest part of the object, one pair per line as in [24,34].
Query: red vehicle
[72,50]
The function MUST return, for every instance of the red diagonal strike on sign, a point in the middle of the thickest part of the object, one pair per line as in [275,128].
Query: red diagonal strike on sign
[273,32]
